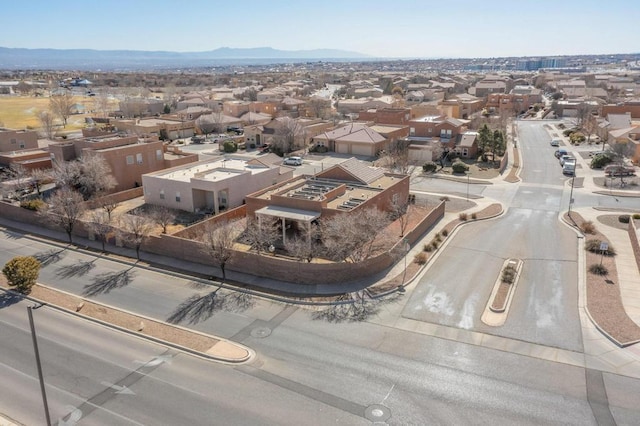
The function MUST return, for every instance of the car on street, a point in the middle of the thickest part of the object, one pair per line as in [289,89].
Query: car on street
[560,152]
[555,142]
[293,161]
[566,158]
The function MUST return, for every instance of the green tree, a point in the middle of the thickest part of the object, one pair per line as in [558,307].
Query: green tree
[22,272]
[485,138]
[167,109]
[498,144]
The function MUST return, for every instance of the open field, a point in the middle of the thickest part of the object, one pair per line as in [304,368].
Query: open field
[20,112]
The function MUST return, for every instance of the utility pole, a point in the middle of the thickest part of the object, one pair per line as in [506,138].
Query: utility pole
[35,349]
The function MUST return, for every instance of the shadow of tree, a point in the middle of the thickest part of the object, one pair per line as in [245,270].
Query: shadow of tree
[11,235]
[8,299]
[198,285]
[50,256]
[354,307]
[108,281]
[79,268]
[198,308]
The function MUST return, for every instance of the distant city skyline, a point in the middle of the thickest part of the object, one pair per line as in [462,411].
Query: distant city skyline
[410,29]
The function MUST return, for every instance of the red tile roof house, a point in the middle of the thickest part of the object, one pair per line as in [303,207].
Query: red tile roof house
[353,139]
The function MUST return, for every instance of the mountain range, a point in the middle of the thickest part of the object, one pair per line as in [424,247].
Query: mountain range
[90,59]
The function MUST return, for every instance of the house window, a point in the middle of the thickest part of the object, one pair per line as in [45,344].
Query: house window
[177,197]
[21,145]
[412,131]
[139,158]
[13,141]
[158,154]
[465,152]
[162,194]
[129,159]
[395,198]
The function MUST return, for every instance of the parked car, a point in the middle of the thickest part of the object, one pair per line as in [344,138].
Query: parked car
[617,170]
[566,158]
[555,142]
[293,161]
[569,167]
[265,148]
[560,152]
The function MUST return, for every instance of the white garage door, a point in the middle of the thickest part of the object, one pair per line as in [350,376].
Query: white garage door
[342,148]
[361,150]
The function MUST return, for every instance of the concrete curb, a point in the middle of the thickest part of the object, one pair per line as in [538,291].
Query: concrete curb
[496,318]
[437,252]
[582,278]
[226,360]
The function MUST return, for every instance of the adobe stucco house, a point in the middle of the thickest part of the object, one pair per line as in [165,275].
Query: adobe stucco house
[353,139]
[342,189]
[213,185]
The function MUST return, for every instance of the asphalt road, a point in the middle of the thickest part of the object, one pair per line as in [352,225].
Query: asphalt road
[457,286]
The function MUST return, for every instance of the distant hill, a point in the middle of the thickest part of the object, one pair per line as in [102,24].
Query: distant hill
[18,58]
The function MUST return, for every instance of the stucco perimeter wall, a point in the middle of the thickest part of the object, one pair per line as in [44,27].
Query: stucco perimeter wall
[633,237]
[504,162]
[285,269]
[117,197]
[195,230]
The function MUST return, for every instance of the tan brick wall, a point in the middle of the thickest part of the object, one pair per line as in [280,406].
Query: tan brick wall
[633,237]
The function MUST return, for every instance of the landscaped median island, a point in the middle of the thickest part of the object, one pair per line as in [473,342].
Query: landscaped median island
[197,342]
[495,313]
[604,303]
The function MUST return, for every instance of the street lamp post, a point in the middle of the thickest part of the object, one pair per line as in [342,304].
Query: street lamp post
[468,174]
[39,366]
[571,193]
[405,243]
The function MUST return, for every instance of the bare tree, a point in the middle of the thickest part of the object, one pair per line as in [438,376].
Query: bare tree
[47,121]
[398,156]
[211,123]
[437,152]
[91,175]
[319,107]
[400,212]
[103,103]
[304,247]
[135,230]
[583,114]
[261,234]
[100,224]
[108,204]
[65,208]
[20,176]
[61,105]
[288,136]
[163,216]
[40,177]
[218,239]
[356,236]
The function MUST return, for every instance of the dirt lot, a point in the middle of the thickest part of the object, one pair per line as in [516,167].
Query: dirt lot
[20,112]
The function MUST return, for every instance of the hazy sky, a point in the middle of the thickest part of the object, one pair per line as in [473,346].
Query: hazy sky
[406,28]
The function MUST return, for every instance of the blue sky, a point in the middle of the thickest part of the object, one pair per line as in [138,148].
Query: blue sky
[407,28]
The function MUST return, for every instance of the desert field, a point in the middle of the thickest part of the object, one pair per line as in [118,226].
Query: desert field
[21,112]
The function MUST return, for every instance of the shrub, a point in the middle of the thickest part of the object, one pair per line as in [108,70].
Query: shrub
[598,269]
[624,218]
[636,216]
[593,245]
[508,274]
[462,216]
[474,216]
[35,205]
[577,137]
[588,227]
[429,167]
[420,258]
[459,167]
[252,145]
[434,244]
[445,232]
[445,198]
[229,146]
[427,247]
[22,272]
[568,132]
[600,160]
